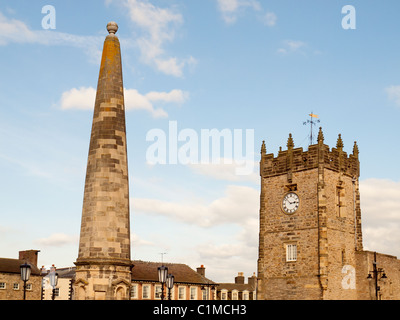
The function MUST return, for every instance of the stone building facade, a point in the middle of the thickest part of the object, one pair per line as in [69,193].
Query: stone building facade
[11,285]
[188,283]
[310,244]
[239,290]
[64,288]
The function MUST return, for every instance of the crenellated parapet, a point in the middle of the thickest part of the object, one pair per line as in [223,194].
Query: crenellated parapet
[296,159]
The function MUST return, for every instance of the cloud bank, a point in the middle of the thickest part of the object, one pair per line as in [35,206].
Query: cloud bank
[83,98]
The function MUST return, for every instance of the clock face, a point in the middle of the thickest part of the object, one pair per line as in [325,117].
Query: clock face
[290,203]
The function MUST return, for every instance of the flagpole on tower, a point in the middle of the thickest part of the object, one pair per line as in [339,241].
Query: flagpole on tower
[312,123]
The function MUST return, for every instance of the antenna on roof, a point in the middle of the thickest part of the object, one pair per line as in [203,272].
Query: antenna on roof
[312,123]
[162,256]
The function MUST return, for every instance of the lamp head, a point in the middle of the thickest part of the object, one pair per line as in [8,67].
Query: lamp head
[25,271]
[162,274]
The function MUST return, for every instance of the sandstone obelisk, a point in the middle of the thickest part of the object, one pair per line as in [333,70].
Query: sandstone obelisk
[103,267]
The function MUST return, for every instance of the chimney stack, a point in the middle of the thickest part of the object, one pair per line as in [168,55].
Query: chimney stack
[29,256]
[240,278]
[252,280]
[201,271]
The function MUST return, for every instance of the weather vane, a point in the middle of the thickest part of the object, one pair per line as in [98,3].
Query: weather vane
[312,123]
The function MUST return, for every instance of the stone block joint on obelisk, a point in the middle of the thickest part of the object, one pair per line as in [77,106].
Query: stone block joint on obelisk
[103,264]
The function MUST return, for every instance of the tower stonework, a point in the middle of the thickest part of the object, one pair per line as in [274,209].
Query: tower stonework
[103,266]
[310,222]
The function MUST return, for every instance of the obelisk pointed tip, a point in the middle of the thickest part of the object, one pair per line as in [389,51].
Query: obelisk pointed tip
[112,27]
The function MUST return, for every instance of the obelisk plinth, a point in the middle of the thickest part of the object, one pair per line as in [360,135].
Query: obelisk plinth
[103,267]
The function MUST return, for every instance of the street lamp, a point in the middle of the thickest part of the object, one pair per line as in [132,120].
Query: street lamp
[207,288]
[53,276]
[170,284]
[162,277]
[377,274]
[25,274]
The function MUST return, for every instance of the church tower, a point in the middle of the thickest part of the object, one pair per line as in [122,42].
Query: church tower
[310,222]
[103,266]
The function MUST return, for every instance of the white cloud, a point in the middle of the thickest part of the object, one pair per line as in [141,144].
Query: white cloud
[393,93]
[231,9]
[31,168]
[226,169]
[291,46]
[16,31]
[239,204]
[84,99]
[13,30]
[223,233]
[159,26]
[137,242]
[380,210]
[57,240]
[270,19]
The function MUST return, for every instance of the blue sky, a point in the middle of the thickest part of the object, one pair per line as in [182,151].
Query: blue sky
[223,64]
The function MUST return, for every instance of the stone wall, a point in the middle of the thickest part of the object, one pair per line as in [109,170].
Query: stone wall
[12,293]
[389,288]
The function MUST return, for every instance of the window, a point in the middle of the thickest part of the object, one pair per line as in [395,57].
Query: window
[146,292]
[181,293]
[16,286]
[193,293]
[245,295]
[134,293]
[339,202]
[29,287]
[57,292]
[291,252]
[3,285]
[205,293]
[157,294]
[224,295]
[235,295]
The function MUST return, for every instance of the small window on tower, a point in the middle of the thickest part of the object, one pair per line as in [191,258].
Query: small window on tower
[339,202]
[291,252]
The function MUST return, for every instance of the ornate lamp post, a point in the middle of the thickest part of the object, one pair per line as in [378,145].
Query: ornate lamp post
[170,284]
[162,277]
[376,274]
[53,276]
[25,274]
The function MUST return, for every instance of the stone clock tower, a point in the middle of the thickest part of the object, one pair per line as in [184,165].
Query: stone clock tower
[310,222]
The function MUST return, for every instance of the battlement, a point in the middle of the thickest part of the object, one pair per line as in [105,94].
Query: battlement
[296,159]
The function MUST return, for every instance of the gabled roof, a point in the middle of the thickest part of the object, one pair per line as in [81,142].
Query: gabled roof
[13,266]
[148,271]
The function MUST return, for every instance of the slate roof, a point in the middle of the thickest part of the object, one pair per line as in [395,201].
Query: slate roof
[67,273]
[148,271]
[13,266]
[236,286]
[144,271]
